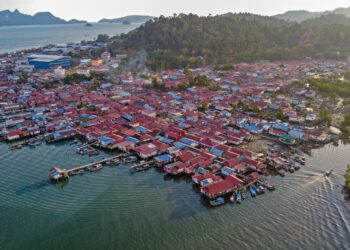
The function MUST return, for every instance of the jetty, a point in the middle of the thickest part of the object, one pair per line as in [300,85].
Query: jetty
[143,165]
[58,174]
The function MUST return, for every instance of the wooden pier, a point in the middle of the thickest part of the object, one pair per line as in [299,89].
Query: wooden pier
[144,165]
[58,174]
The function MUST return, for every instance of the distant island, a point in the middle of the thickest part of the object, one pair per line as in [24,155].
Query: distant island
[128,19]
[16,18]
[9,18]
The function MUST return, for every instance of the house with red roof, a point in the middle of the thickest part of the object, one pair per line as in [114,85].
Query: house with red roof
[223,187]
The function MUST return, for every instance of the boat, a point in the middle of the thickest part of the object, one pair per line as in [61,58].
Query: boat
[130,159]
[93,152]
[238,198]
[261,188]
[328,173]
[217,202]
[281,173]
[98,167]
[252,191]
[291,169]
[18,146]
[257,190]
[74,142]
[88,25]
[74,173]
[296,166]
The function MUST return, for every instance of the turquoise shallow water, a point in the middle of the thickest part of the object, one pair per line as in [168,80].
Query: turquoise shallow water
[112,209]
[14,38]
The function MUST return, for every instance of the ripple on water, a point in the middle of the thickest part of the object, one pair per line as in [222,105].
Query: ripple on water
[306,208]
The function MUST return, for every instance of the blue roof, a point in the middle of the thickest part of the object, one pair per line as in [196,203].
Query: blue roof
[106,85]
[180,145]
[127,117]
[148,107]
[141,129]
[227,171]
[174,95]
[252,127]
[216,152]
[281,126]
[182,125]
[187,141]
[132,139]
[166,140]
[161,158]
[201,170]
[104,140]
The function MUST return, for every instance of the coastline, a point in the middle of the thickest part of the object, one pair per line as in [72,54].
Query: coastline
[40,34]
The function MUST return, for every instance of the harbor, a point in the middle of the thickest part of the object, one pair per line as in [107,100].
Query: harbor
[217,183]
[154,205]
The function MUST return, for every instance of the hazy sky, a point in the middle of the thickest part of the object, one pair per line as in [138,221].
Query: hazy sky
[97,9]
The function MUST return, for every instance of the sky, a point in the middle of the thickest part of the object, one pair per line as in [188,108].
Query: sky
[94,10]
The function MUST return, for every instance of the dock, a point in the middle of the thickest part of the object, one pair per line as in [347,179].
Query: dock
[58,174]
[144,165]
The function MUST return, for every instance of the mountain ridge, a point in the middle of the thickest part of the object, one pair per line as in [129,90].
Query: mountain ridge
[15,18]
[303,15]
[130,18]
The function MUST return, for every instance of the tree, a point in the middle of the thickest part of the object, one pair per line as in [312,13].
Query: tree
[345,125]
[102,38]
[203,107]
[279,115]
[325,117]
[347,179]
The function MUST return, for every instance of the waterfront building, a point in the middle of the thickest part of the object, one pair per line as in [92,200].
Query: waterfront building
[49,61]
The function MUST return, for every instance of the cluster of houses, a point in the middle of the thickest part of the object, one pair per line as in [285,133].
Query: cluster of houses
[171,127]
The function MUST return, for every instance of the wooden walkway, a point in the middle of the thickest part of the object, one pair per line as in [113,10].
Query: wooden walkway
[142,166]
[86,166]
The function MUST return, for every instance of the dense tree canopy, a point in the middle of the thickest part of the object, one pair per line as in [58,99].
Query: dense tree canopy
[191,40]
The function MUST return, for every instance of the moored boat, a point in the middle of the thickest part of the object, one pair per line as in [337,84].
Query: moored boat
[252,191]
[130,159]
[281,173]
[217,202]
[328,173]
[238,198]
[257,190]
[261,188]
[74,142]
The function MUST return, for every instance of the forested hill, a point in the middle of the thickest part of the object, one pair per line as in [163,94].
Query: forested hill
[192,40]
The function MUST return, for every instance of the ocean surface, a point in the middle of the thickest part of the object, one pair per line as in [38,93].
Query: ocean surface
[25,37]
[113,209]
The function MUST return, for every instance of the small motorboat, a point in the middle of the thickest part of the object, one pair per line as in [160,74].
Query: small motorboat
[270,187]
[74,142]
[257,190]
[130,159]
[217,202]
[243,195]
[281,173]
[291,169]
[252,191]
[296,166]
[261,188]
[328,173]
[238,198]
